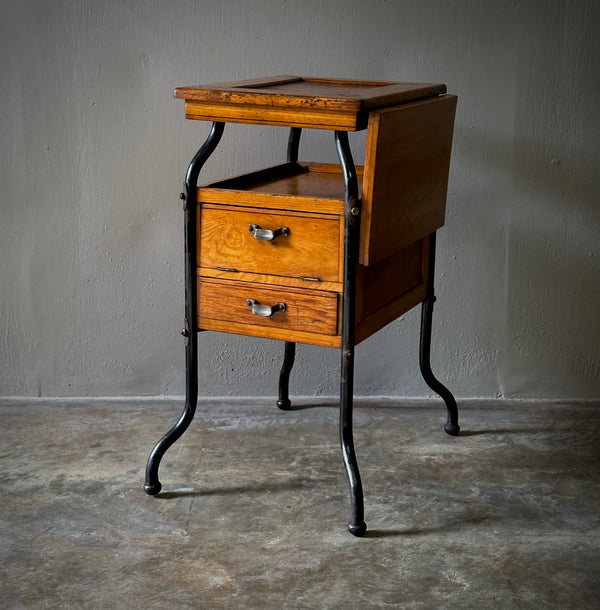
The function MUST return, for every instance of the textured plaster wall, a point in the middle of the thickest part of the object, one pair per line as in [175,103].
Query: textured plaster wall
[93,151]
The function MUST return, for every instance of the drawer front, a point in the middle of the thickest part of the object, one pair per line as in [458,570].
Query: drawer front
[304,246]
[228,301]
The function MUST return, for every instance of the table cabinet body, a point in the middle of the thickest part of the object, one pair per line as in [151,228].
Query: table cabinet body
[306,252]
[284,227]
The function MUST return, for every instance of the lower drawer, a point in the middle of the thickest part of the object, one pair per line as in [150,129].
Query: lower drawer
[254,305]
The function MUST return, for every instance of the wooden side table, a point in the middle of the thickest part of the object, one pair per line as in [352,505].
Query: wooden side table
[315,253]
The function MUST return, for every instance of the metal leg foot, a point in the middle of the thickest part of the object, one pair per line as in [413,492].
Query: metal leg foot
[153,486]
[358,530]
[451,427]
[289,356]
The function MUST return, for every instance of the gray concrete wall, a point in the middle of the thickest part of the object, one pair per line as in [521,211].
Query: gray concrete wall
[94,148]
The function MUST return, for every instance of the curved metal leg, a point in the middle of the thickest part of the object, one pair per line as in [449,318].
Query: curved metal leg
[284,376]
[153,485]
[357,525]
[451,426]
[289,355]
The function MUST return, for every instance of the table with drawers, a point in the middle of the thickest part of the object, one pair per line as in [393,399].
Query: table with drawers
[305,252]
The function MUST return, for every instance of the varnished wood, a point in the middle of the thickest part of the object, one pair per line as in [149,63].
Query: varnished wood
[320,189]
[383,316]
[258,199]
[425,253]
[279,334]
[402,186]
[309,311]
[294,101]
[384,292]
[308,282]
[323,181]
[380,284]
[312,118]
[311,248]
[303,92]
[331,168]
[320,180]
[406,175]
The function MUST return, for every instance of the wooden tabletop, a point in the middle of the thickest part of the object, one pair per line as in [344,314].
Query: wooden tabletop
[297,101]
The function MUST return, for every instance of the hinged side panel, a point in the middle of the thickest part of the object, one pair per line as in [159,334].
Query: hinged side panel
[406,175]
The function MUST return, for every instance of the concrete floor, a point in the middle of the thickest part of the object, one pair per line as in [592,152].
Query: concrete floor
[254,507]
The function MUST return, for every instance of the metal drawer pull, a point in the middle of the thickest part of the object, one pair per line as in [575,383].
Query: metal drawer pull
[265,310]
[266,234]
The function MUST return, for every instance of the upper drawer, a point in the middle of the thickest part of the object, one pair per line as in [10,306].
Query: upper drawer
[272,243]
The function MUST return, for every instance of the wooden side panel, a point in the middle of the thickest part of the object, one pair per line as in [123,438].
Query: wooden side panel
[387,280]
[389,288]
[390,312]
[406,175]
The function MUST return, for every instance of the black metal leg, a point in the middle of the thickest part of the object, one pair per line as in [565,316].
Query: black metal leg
[190,332]
[451,426]
[357,525]
[293,144]
[290,347]
[284,376]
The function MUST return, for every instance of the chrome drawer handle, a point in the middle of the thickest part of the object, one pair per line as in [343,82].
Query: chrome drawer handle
[264,310]
[266,234]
